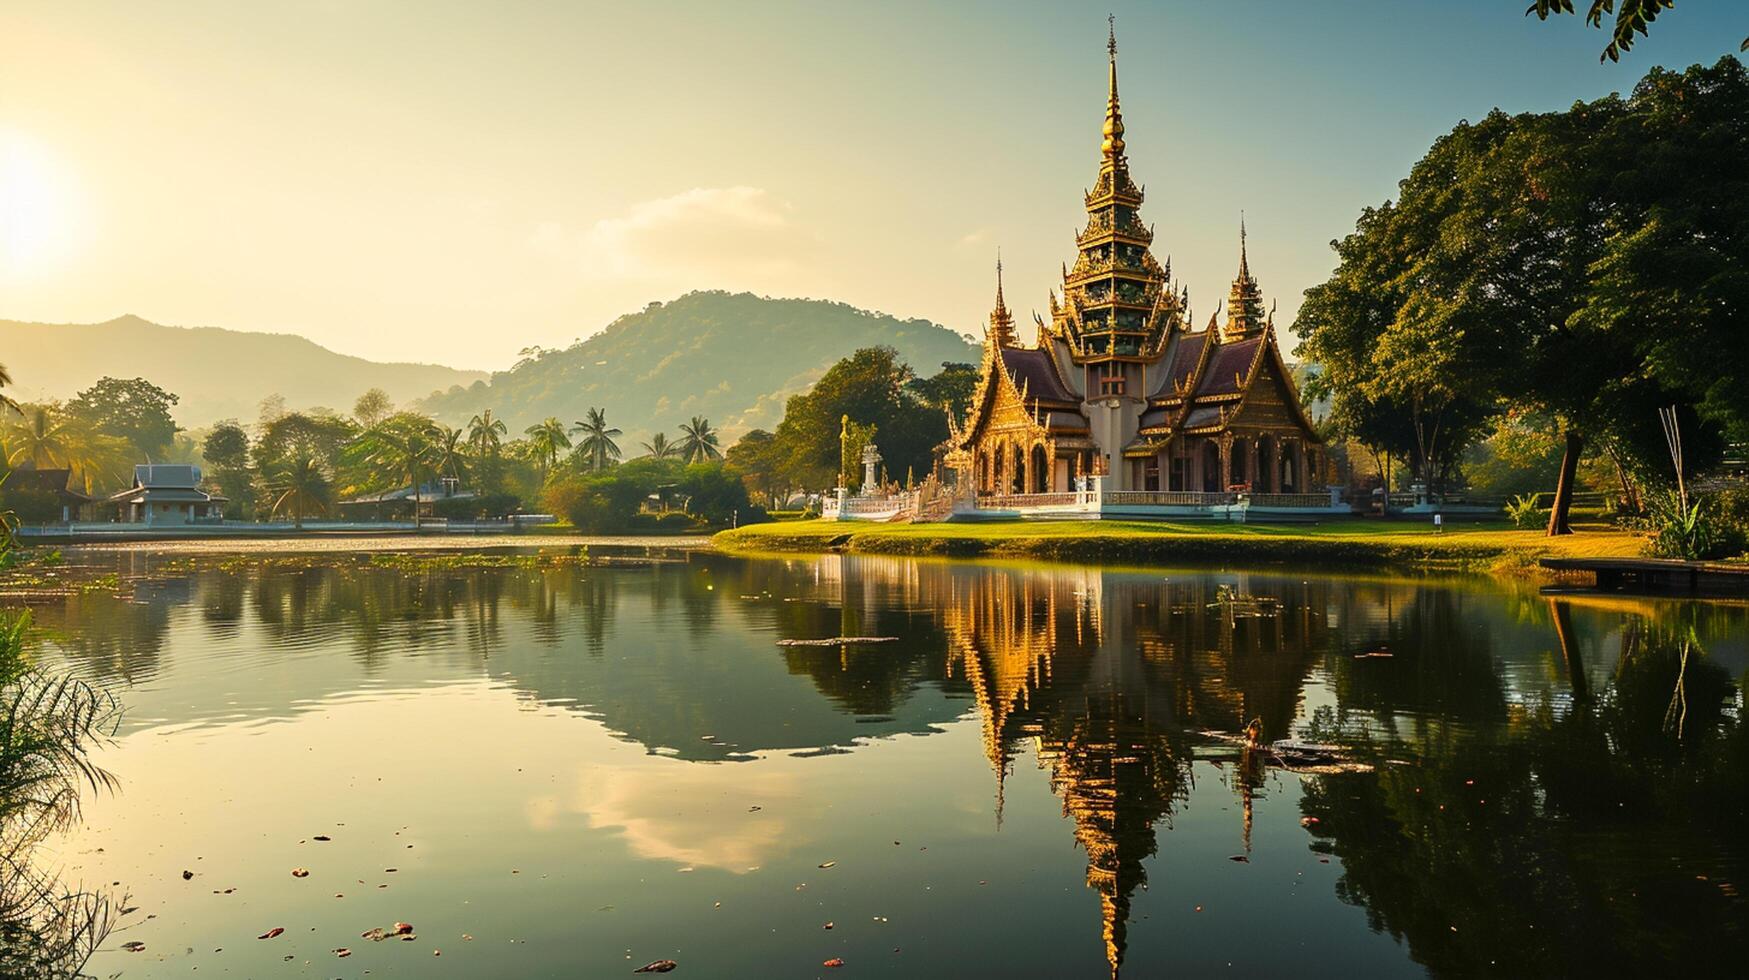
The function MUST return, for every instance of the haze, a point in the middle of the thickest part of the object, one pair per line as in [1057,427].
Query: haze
[452,182]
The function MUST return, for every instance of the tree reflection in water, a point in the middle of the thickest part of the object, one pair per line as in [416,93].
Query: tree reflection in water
[1559,786]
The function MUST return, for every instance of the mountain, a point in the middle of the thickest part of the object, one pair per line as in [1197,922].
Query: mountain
[733,358]
[216,373]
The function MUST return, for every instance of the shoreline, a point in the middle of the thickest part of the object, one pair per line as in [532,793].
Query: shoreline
[1495,549]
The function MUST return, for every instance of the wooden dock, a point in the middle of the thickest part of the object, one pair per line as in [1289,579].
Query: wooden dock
[1668,575]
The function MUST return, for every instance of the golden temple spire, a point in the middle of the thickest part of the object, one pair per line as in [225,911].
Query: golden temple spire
[1245,313]
[1113,143]
[1244,264]
[1001,331]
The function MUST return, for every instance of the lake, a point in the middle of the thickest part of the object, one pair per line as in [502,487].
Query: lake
[560,768]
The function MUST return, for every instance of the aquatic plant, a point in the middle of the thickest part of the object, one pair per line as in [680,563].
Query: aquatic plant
[49,724]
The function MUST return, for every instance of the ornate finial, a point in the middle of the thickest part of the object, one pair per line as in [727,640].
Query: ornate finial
[1244,265]
[1001,332]
[1113,144]
[1000,303]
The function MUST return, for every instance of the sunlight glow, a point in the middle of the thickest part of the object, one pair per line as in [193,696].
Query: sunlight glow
[38,209]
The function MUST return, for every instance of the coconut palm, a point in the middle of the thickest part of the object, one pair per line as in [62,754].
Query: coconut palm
[449,454]
[6,400]
[547,439]
[597,444]
[660,448]
[46,439]
[698,441]
[401,447]
[486,434]
[298,487]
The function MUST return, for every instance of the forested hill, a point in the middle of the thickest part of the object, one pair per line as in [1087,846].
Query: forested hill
[215,373]
[733,358]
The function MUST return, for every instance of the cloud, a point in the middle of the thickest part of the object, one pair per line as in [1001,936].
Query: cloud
[728,237]
[976,236]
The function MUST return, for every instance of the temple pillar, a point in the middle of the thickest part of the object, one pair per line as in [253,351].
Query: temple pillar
[1226,443]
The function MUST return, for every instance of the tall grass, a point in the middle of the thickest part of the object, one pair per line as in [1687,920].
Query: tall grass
[49,724]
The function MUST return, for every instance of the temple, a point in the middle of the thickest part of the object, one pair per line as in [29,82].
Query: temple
[1118,387]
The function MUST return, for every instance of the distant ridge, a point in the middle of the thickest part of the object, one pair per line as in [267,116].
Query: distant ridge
[217,373]
[734,358]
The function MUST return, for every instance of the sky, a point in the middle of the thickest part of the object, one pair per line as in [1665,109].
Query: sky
[455,182]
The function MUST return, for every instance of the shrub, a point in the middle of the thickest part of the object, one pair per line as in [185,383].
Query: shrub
[1525,514]
[1695,532]
[32,505]
[713,492]
[487,505]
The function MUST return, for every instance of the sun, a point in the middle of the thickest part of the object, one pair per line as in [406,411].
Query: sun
[38,209]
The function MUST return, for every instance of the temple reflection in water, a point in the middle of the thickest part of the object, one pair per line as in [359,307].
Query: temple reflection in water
[1593,723]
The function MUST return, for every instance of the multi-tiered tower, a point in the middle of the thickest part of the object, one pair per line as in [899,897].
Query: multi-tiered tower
[1119,306]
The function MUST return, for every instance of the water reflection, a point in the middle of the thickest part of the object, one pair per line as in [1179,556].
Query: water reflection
[1559,784]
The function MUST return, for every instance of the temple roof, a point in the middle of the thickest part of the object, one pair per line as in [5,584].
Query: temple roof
[1182,370]
[1229,368]
[1034,372]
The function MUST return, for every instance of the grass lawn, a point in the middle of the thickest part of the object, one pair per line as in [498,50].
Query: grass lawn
[1352,542]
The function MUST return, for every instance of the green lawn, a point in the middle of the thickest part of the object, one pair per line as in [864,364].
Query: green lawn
[1349,542]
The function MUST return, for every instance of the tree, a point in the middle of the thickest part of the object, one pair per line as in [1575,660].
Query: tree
[46,437]
[372,407]
[660,448]
[321,434]
[713,492]
[486,442]
[449,454]
[546,440]
[597,447]
[1631,17]
[226,447]
[755,457]
[298,487]
[135,410]
[402,450]
[950,390]
[698,442]
[870,386]
[5,399]
[1586,263]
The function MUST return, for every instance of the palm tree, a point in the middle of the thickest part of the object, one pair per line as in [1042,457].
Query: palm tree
[43,440]
[6,400]
[547,439]
[698,442]
[486,434]
[449,454]
[597,443]
[401,447]
[299,486]
[660,448]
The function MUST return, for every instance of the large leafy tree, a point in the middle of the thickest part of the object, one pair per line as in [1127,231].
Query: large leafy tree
[1589,263]
[226,448]
[596,444]
[949,390]
[869,386]
[1628,17]
[321,434]
[698,441]
[372,407]
[756,457]
[135,410]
